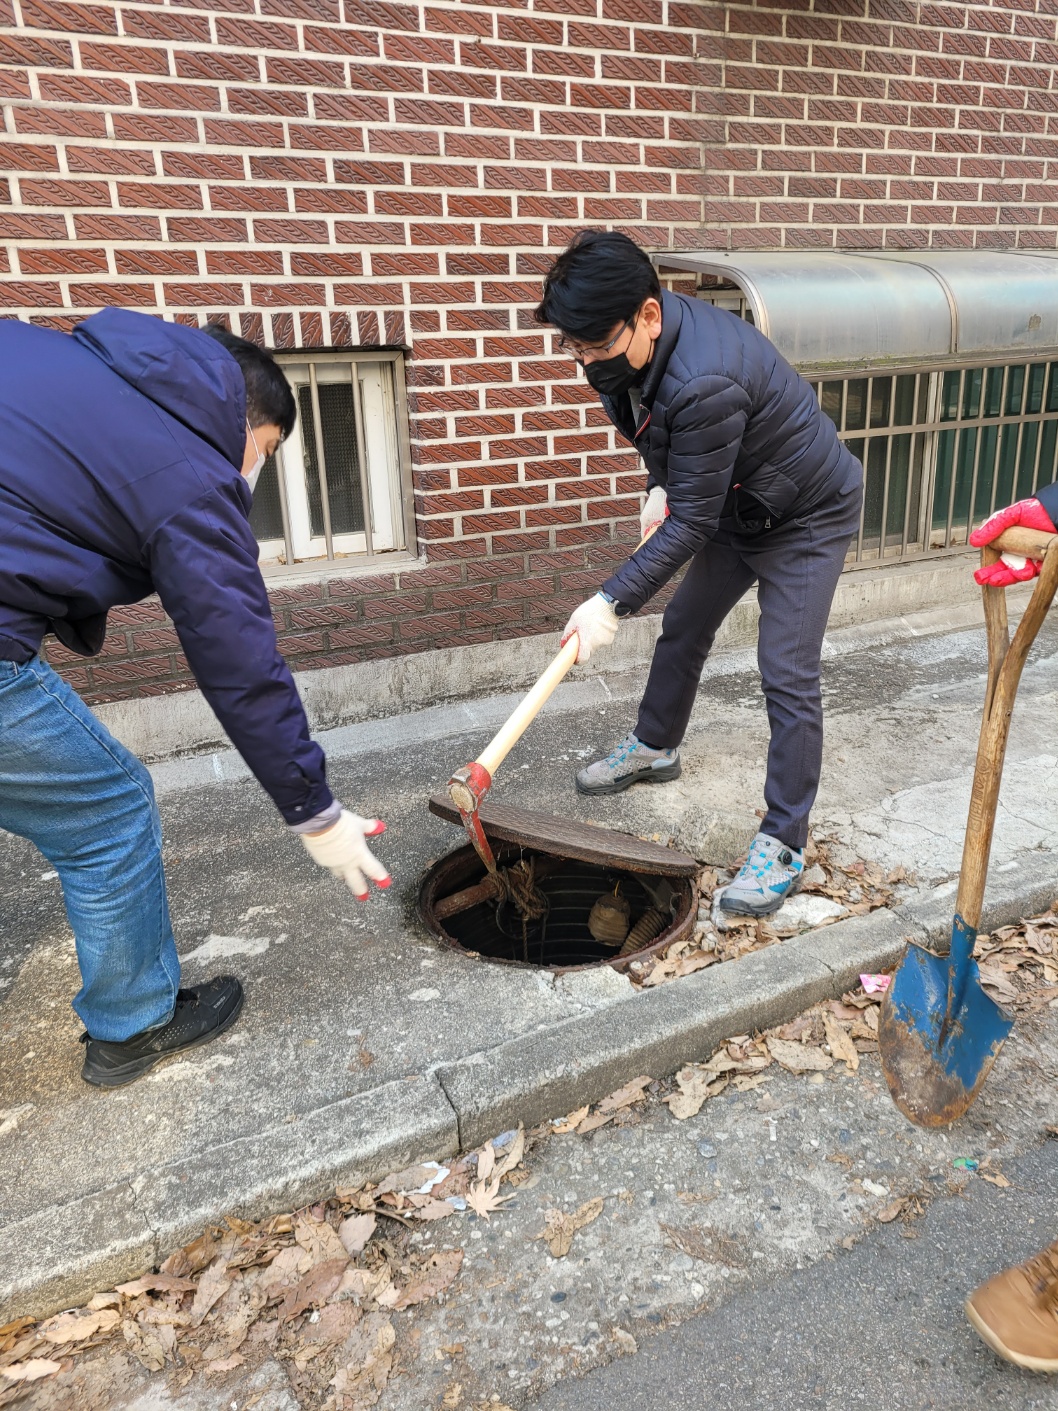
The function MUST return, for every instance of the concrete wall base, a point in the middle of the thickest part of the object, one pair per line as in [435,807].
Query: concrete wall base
[161,727]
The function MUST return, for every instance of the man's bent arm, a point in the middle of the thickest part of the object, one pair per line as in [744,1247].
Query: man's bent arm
[203,562]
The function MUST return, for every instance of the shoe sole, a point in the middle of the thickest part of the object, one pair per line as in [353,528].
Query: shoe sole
[1032,1364]
[121,1077]
[769,910]
[652,776]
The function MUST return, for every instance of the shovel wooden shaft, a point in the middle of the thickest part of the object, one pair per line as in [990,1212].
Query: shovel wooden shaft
[1032,543]
[1006,660]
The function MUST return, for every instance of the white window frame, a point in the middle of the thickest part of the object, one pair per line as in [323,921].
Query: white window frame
[380,410]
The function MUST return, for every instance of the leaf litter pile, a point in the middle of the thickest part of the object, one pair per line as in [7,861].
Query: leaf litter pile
[317,1289]
[856,887]
[1019,964]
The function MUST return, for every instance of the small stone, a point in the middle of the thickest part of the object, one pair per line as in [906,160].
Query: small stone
[805,911]
[707,1150]
[815,877]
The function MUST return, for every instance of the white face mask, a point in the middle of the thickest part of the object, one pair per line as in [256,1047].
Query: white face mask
[254,473]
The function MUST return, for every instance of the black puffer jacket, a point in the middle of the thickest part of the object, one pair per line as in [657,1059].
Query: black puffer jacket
[734,435]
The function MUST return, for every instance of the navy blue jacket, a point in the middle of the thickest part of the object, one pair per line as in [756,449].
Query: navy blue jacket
[731,431]
[120,448]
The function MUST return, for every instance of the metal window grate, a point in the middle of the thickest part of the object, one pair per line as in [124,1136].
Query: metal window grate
[942,449]
[339,487]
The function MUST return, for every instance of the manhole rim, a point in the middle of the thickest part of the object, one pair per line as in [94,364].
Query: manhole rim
[444,876]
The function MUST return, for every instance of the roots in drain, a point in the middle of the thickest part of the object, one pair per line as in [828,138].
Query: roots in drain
[523,896]
[543,916]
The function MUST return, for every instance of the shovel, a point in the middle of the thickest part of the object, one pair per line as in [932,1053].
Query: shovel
[939,1033]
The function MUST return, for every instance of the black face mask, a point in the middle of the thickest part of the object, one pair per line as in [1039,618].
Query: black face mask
[612,376]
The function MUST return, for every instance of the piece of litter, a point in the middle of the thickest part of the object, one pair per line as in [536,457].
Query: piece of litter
[875,984]
[966,1163]
[875,1188]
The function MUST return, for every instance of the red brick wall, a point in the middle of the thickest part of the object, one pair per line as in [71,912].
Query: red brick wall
[330,172]
[880,123]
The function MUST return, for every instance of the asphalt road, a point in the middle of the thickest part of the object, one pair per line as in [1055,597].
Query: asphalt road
[880,1325]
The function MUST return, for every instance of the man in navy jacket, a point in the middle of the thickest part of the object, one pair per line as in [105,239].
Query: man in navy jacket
[128,451]
[747,483]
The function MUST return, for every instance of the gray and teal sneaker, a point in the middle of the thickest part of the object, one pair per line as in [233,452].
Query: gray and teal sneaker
[771,873]
[630,763]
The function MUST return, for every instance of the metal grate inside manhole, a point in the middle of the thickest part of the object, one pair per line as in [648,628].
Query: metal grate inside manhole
[638,913]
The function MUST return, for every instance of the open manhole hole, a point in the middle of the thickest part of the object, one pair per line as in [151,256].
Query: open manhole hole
[615,900]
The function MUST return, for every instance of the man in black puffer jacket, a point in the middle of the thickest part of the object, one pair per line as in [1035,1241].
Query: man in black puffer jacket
[747,483]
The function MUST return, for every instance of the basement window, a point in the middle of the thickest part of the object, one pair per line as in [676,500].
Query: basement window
[339,487]
[942,449]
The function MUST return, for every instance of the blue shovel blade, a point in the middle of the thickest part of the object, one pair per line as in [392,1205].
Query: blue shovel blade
[939,1033]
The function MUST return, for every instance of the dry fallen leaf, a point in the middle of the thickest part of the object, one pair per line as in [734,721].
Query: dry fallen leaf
[560,1227]
[486,1161]
[696,1083]
[77,1327]
[841,1045]
[149,1347]
[355,1232]
[705,1243]
[798,1058]
[213,1283]
[319,1241]
[483,1197]
[225,1364]
[32,1370]
[513,1157]
[368,1361]
[315,1288]
[891,1211]
[437,1274]
[994,1178]
[192,1257]
[570,1123]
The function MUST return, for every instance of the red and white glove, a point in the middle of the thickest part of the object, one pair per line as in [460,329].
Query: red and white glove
[654,512]
[342,850]
[595,624]
[1011,568]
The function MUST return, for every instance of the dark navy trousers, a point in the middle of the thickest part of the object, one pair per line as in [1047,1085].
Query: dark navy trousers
[796,567]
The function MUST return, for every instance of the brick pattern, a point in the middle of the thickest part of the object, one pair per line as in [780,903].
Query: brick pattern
[364,618]
[881,124]
[331,173]
[328,173]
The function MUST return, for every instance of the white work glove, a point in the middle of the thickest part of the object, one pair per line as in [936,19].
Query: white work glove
[595,624]
[341,849]
[654,511]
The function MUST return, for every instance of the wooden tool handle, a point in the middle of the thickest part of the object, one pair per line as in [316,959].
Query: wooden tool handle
[1005,664]
[1031,543]
[515,726]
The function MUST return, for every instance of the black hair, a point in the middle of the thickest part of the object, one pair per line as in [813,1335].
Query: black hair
[599,280]
[269,400]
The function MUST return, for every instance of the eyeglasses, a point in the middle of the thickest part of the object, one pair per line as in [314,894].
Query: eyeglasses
[578,351]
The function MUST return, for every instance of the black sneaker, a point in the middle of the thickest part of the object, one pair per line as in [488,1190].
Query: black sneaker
[202,1014]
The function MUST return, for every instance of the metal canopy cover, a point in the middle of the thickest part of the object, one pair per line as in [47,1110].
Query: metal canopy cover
[840,309]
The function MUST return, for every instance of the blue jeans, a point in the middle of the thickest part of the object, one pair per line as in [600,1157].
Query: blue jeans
[69,787]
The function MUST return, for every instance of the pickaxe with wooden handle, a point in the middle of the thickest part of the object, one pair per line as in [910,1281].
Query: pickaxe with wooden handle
[469,786]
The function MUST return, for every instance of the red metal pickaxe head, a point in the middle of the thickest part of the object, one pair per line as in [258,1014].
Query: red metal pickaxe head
[467,789]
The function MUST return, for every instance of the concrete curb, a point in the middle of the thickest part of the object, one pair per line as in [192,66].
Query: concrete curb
[60,1256]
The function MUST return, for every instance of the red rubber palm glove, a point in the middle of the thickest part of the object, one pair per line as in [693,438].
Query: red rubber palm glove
[1011,568]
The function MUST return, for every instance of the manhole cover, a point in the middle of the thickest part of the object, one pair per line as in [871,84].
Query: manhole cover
[657,911]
